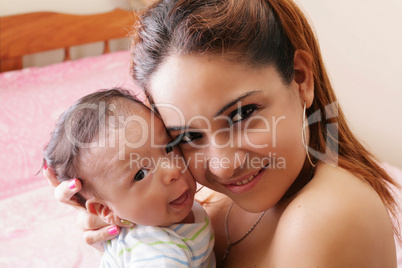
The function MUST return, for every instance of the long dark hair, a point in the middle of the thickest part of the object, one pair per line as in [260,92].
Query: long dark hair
[256,33]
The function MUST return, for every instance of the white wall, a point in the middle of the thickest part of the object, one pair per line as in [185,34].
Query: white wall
[361,42]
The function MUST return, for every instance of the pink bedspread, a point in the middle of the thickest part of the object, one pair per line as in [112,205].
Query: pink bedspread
[35,230]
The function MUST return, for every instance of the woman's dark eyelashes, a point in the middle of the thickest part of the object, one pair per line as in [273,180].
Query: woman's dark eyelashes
[142,173]
[185,137]
[189,137]
[234,117]
[242,113]
[170,146]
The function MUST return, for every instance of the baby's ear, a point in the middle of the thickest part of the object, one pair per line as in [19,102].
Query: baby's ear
[99,208]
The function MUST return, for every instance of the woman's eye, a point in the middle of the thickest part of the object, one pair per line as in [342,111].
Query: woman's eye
[188,137]
[185,137]
[141,174]
[242,113]
[169,148]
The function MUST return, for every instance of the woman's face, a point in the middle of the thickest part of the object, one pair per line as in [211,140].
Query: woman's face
[240,128]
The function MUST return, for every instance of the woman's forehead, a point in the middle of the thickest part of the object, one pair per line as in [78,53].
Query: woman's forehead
[187,86]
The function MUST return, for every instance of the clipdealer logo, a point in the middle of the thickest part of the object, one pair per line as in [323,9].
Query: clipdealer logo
[112,133]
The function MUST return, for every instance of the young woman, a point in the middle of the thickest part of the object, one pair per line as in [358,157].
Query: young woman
[241,86]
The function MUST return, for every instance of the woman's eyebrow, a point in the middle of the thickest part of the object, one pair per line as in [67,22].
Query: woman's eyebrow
[230,104]
[223,109]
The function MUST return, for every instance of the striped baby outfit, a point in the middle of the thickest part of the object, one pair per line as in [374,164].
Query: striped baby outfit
[178,245]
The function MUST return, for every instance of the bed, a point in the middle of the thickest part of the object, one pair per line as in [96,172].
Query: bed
[35,230]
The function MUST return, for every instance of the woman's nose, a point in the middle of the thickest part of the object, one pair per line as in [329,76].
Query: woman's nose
[224,162]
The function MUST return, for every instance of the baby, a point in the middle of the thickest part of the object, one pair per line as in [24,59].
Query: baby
[130,171]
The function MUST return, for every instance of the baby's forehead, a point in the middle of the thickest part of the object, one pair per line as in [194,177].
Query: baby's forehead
[133,133]
[129,122]
[122,112]
[126,107]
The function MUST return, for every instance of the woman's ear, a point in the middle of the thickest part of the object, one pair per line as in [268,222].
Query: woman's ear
[304,76]
[101,209]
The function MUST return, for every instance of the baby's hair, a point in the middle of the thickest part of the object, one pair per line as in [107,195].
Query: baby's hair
[78,127]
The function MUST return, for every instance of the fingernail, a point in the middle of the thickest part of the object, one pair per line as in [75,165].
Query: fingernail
[113,231]
[126,222]
[72,184]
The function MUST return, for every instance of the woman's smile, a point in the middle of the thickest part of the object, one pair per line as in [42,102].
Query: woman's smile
[246,179]
[246,183]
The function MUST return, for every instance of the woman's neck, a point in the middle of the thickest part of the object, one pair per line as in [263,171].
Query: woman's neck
[304,177]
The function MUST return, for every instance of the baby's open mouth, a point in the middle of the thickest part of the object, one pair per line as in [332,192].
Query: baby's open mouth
[181,200]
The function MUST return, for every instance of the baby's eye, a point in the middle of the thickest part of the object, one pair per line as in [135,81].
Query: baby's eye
[141,174]
[242,113]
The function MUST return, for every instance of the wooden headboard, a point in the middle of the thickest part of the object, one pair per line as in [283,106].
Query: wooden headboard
[37,32]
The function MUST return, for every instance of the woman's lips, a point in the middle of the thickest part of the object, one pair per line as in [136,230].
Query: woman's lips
[246,183]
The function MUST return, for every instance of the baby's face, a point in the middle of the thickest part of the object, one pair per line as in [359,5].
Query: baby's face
[137,178]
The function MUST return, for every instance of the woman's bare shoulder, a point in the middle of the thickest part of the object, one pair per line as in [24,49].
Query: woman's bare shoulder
[337,220]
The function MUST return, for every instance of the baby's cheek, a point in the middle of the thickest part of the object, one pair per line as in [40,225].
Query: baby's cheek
[197,170]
